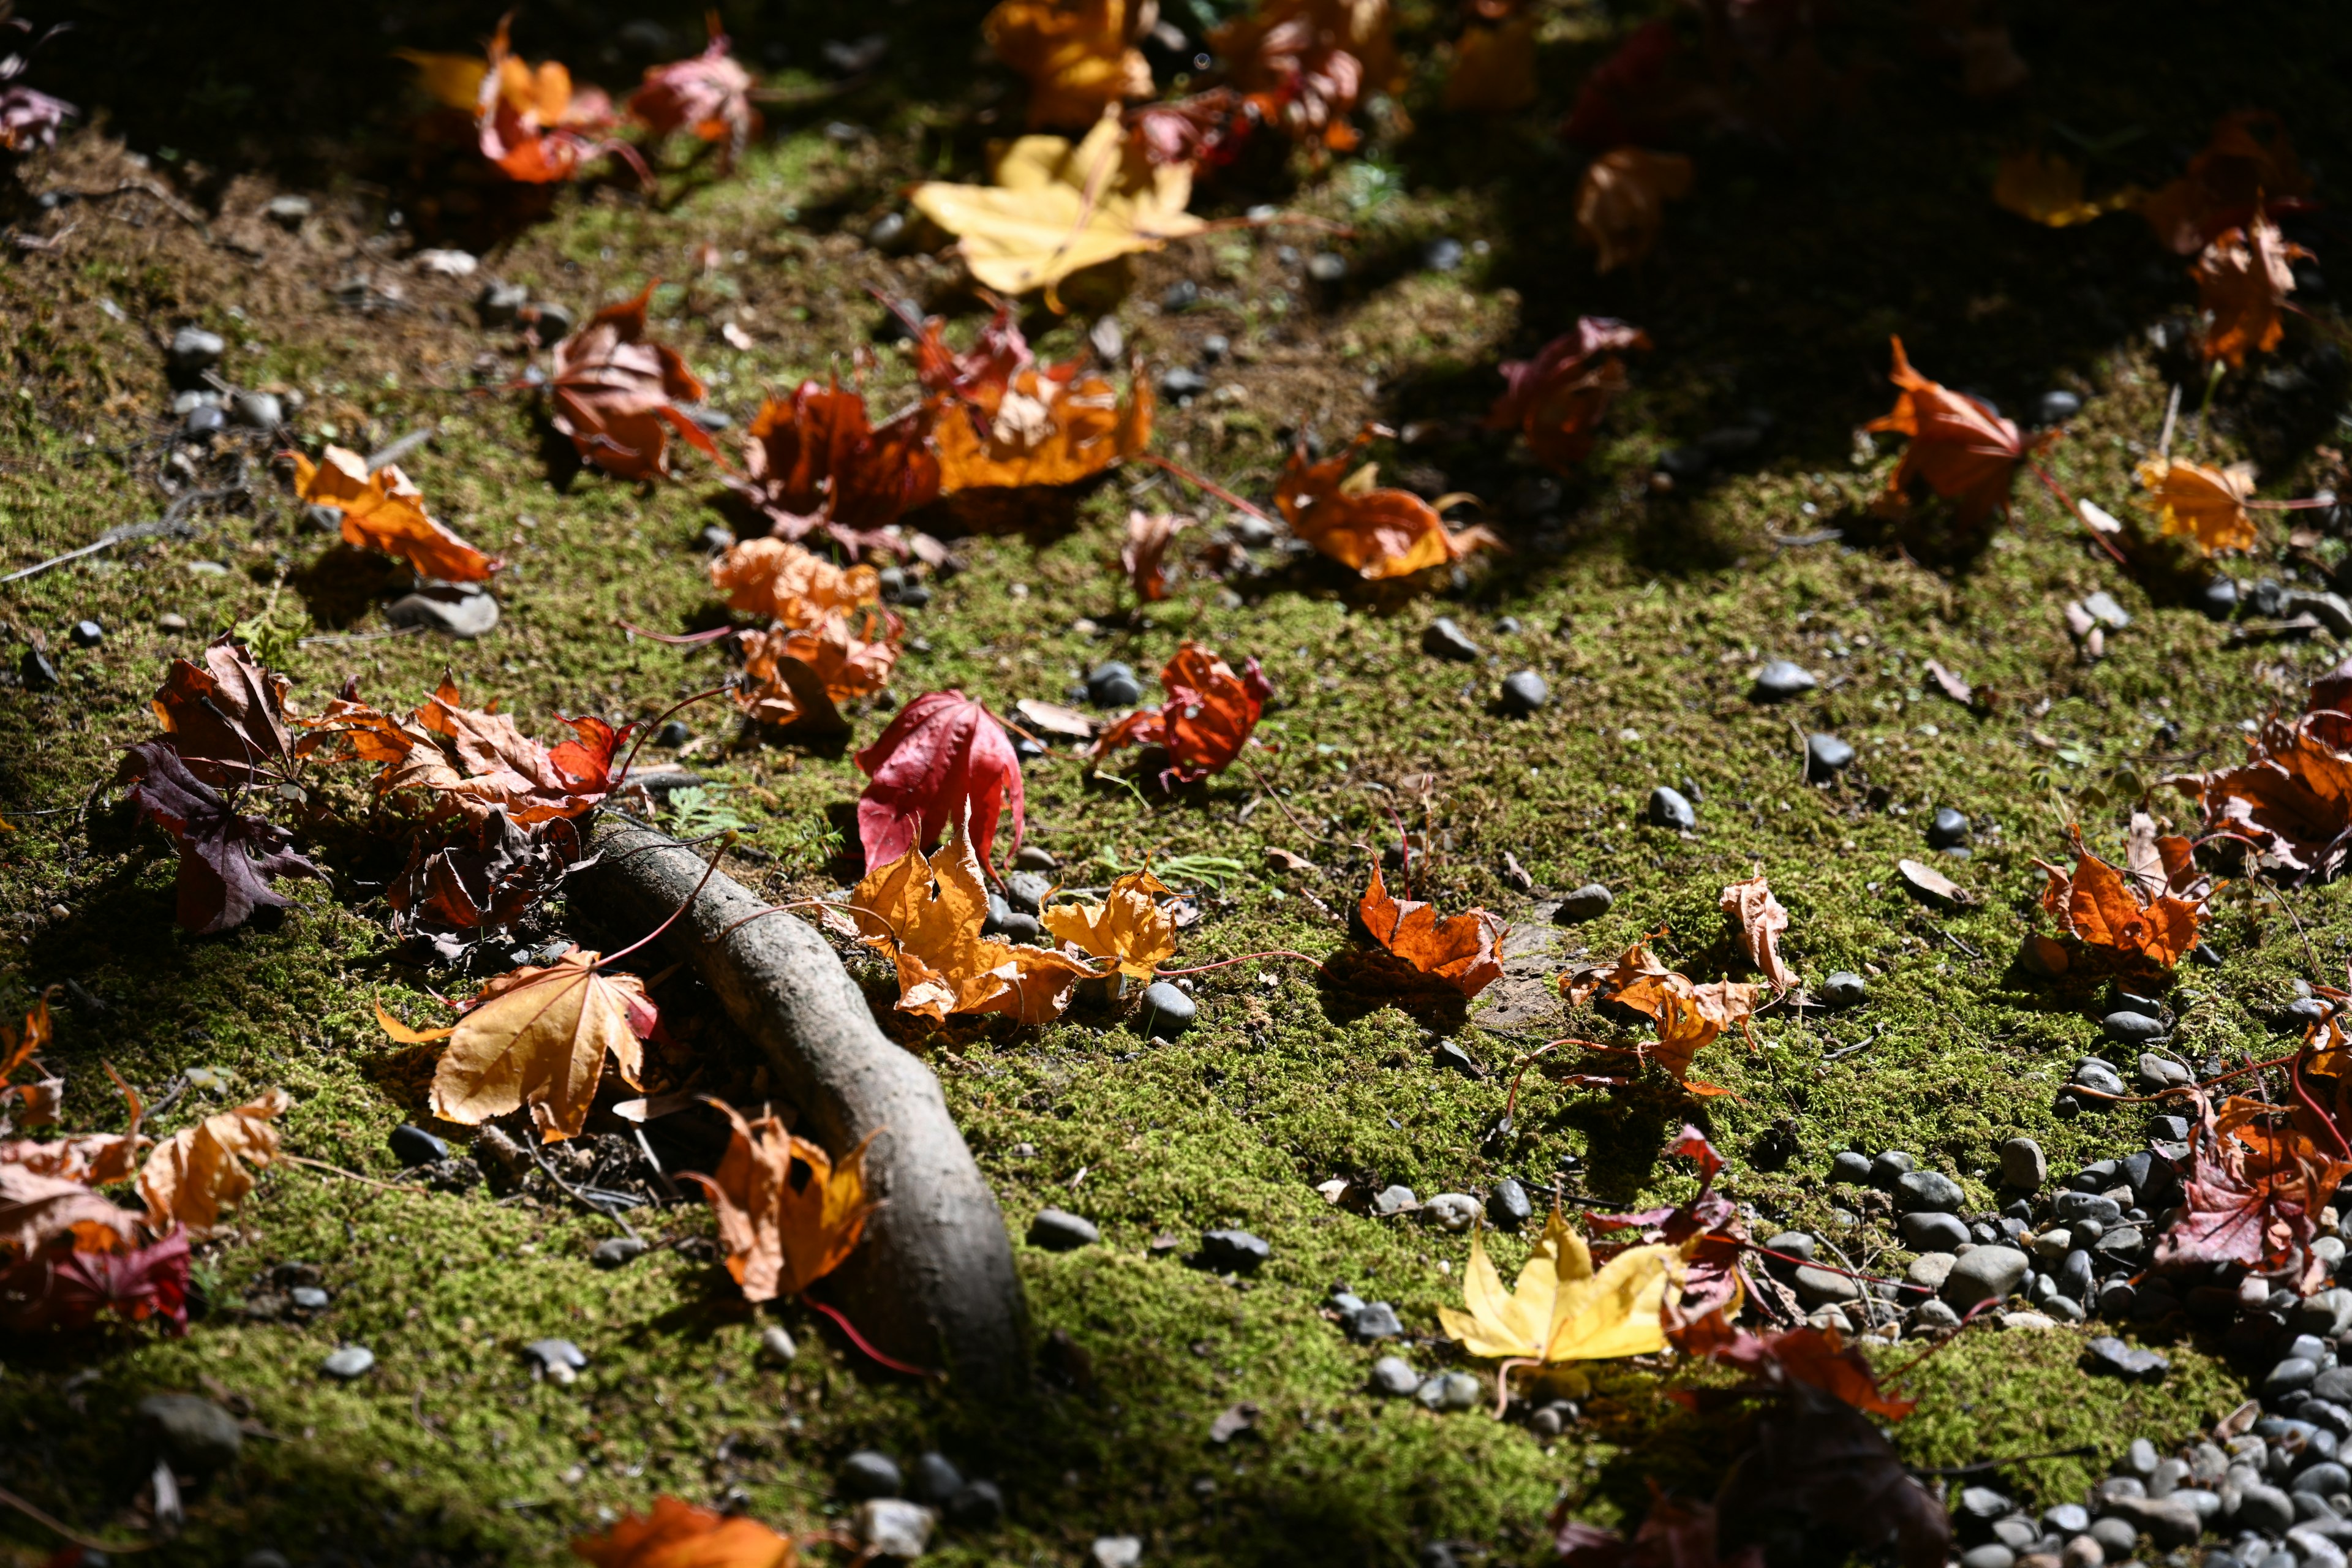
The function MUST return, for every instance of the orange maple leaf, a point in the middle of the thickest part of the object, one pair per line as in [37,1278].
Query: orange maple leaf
[781,1236]
[2144,915]
[1130,926]
[803,675]
[815,461]
[1206,721]
[2291,798]
[1378,533]
[2207,504]
[1689,1018]
[1621,204]
[782,582]
[1078,55]
[708,94]
[617,395]
[193,1177]
[474,761]
[2242,278]
[2256,1186]
[538,1036]
[677,1534]
[2248,167]
[1556,399]
[39,1100]
[1463,950]
[1963,450]
[384,510]
[1007,421]
[532,123]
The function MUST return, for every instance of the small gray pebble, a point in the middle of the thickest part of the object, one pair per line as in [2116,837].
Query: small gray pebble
[1949,831]
[287,211]
[936,1479]
[198,1434]
[194,349]
[1113,685]
[350,1362]
[256,411]
[776,1342]
[1179,384]
[1523,692]
[1449,1390]
[1781,679]
[616,1251]
[1668,808]
[1589,903]
[1850,1168]
[1215,347]
[551,1354]
[1444,639]
[1508,1205]
[498,304]
[1442,254]
[977,1505]
[203,422]
[415,1146]
[1166,1012]
[87,634]
[1059,1230]
[1327,267]
[1181,295]
[1393,1375]
[1826,756]
[2058,406]
[1026,891]
[307,1298]
[887,231]
[867,1474]
[1843,988]
[2132,1028]
[1377,1320]
[1229,1251]
[2023,1165]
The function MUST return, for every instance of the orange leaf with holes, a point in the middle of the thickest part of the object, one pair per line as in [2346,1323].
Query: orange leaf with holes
[193,1177]
[1621,204]
[1078,55]
[384,510]
[2242,279]
[1379,533]
[617,395]
[1211,710]
[1464,950]
[677,1534]
[782,1235]
[2144,915]
[538,1036]
[1961,449]
[2206,504]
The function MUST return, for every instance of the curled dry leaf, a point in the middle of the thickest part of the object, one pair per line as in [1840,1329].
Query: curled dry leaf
[1206,719]
[785,582]
[2256,1186]
[1004,421]
[1494,69]
[1130,926]
[943,761]
[457,892]
[384,510]
[1556,399]
[802,676]
[1145,554]
[1622,205]
[1762,921]
[815,461]
[196,1175]
[1379,533]
[226,719]
[1561,1309]
[926,914]
[2248,166]
[538,1036]
[1689,1016]
[2046,189]
[1055,208]
[531,123]
[2143,916]
[36,1207]
[784,1228]
[677,1534]
[1675,1534]
[1964,451]
[37,1102]
[1464,950]
[2206,504]
[1819,1358]
[1305,63]
[2242,279]
[710,95]
[1078,55]
[473,762]
[2293,795]
[227,859]
[618,396]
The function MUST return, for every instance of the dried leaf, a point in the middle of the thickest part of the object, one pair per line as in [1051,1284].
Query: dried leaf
[1688,1017]
[1931,884]
[473,762]
[2242,279]
[1463,950]
[532,123]
[37,1206]
[2207,504]
[1949,684]
[1206,719]
[926,914]
[804,677]
[2255,1188]
[678,1534]
[1622,205]
[2292,796]
[67,1289]
[1762,921]
[39,1100]
[1556,400]
[1379,533]
[943,761]
[781,1236]
[2048,190]
[405,1036]
[2248,166]
[1055,208]
[1128,926]
[227,860]
[1055,719]
[538,1036]
[617,395]
[29,119]
[226,720]
[1078,55]
[1306,63]
[1494,69]
[815,461]
[465,889]
[1674,1534]
[1819,1458]
[2147,919]
[193,1177]
[710,95]
[1964,451]
[1561,1308]
[385,511]
[1144,555]
[1819,1358]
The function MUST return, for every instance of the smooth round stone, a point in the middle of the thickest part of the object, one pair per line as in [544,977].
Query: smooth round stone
[1843,988]
[1059,1230]
[309,1298]
[2023,1165]
[936,1479]
[1949,831]
[1215,347]
[1393,1375]
[1983,1504]
[1985,1274]
[2108,1538]
[556,1354]
[415,1146]
[1113,685]
[204,423]
[1166,1011]
[1781,679]
[1933,1231]
[2264,1508]
[256,410]
[1026,891]
[776,1342]
[1181,295]
[350,1362]
[977,1505]
[1020,928]
[2129,1028]
[499,303]
[1891,1166]
[1826,755]
[1930,1269]
[1927,1192]
[616,1251]
[887,231]
[1793,1243]
[2100,1081]
[194,349]
[1523,692]
[2066,1519]
[1394,1199]
[1442,639]
[1668,808]
[1327,267]
[1450,1392]
[2322,1480]
[1442,254]
[1589,903]
[1228,1251]
[672,735]
[2074,1276]
[1181,384]
[462,616]
[87,634]
[1452,1212]
[2217,600]
[1508,1205]
[867,1474]
[196,1434]
[2075,1207]
[1818,1287]
[2156,1072]
[1851,1169]
[1991,1554]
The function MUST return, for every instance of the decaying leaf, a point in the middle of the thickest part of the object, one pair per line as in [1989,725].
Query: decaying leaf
[67,1287]
[1762,921]
[618,397]
[1078,55]
[1930,884]
[1206,719]
[1817,1357]
[2242,279]
[782,582]
[781,1236]
[1561,1309]
[2248,166]
[1055,208]
[456,893]
[926,914]
[227,859]
[1144,556]
[1688,1017]
[1556,399]
[2205,503]
[1673,1534]
[538,1036]
[226,719]
[1464,950]
[1964,451]
[1620,209]
[1378,533]
[196,1175]
[1494,69]
[943,761]
[473,762]
[37,1102]
[2047,189]
[1306,63]
[677,1534]
[803,677]
[1130,926]
[815,461]
[2144,915]
[1003,420]
[2293,795]
[384,510]
[2255,1188]
[710,95]
[36,1207]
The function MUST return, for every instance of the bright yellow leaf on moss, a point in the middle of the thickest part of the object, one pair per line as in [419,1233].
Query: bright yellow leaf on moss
[2207,504]
[1561,1308]
[1130,925]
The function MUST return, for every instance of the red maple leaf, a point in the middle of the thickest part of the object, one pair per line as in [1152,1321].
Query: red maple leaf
[942,755]
[1207,718]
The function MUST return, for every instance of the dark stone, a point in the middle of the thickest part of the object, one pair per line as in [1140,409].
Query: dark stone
[2058,406]
[87,634]
[673,735]
[499,303]
[2325,1480]
[1949,831]
[1113,685]
[1181,295]
[1166,1012]
[194,1433]
[1780,680]
[2074,1276]
[2294,1372]
[1843,988]
[1932,1231]
[2218,599]
[1442,254]
[2334,1384]
[2111,1357]
[38,673]
[889,230]
[1233,1251]
[2168,1128]
[1982,1504]
[2168,1521]
[256,411]
[1927,1192]
[977,1505]
[616,1251]
[1059,1230]
[1508,1205]
[1890,1167]
[1589,903]
[455,613]
[936,1479]
[415,1146]
[1851,1169]
[1523,692]
[867,1474]
[1444,639]
[1026,891]
[2074,1207]
[1377,1321]
[1794,1243]
[307,1298]
[1669,809]
[1179,384]
[2132,1028]
[1826,756]
[1447,1057]
[1215,347]
[2206,953]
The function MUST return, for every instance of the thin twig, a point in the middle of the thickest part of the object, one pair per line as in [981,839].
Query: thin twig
[576,1196]
[168,523]
[384,457]
[87,1543]
[353,1176]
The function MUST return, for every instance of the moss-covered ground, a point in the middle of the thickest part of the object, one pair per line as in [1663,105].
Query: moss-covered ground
[1646,611]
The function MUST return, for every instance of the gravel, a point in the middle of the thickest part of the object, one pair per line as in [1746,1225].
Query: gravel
[1949,829]
[2129,1028]
[453,613]
[888,1528]
[415,1146]
[350,1362]
[1780,681]
[1523,692]
[1449,1390]
[1989,1273]
[1826,756]
[1589,903]
[616,1251]
[1507,1206]
[1444,639]
[1668,808]
[1843,988]
[2112,1357]
[194,350]
[1393,1375]
[1113,685]
[777,1345]
[868,1474]
[1167,1010]
[1928,1231]
[1927,1192]
[1233,1251]
[936,1479]
[2023,1165]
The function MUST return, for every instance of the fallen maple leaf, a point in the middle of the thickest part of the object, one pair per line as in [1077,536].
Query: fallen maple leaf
[531,123]
[1622,205]
[1494,69]
[2292,796]
[226,720]
[710,94]
[1963,450]
[802,676]
[1762,921]
[1206,719]
[781,1236]
[944,760]
[2046,189]
[1144,555]
[1130,926]
[473,762]
[1055,208]
[384,510]
[1689,1016]
[2252,1198]
[1556,399]
[1818,1357]
[1379,533]
[197,1174]
[1463,950]
[617,394]
[2148,917]
[538,1036]
[2207,504]
[1078,55]
[782,582]
[1561,1309]
[227,859]
[456,893]
[68,1289]
[815,461]
[1306,63]
[2248,167]
[926,914]
[2242,278]
[38,1102]
[37,1207]
[678,1534]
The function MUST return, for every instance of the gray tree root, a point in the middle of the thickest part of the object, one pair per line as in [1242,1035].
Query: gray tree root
[932,1282]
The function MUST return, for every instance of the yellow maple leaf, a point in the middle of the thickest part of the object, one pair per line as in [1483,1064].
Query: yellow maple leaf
[1057,208]
[2206,503]
[782,1237]
[538,1036]
[2048,190]
[1129,925]
[1561,1310]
